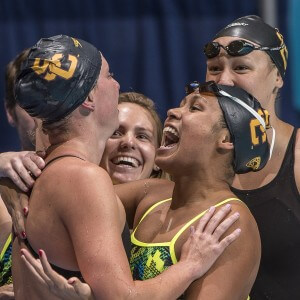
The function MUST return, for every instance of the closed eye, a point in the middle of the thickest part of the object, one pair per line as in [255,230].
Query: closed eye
[195,107]
[116,134]
[241,68]
[214,69]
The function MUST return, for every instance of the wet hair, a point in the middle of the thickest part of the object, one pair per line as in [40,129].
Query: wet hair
[11,73]
[146,103]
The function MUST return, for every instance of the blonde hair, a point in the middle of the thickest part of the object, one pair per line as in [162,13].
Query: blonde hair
[146,103]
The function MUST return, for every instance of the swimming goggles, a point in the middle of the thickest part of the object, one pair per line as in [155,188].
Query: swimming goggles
[235,48]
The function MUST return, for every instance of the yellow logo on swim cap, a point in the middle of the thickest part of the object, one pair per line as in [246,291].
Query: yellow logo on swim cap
[254,163]
[53,67]
[76,42]
[284,50]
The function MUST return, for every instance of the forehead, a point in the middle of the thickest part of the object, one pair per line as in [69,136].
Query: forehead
[135,115]
[205,98]
[105,65]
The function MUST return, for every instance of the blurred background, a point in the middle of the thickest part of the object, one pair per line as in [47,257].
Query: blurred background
[153,46]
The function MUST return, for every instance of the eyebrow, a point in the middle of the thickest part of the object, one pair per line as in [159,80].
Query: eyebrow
[194,99]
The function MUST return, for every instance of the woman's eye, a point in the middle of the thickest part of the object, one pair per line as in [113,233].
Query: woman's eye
[143,137]
[241,68]
[214,69]
[195,107]
[117,133]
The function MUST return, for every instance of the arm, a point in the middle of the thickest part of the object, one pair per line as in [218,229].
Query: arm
[19,165]
[233,275]
[16,203]
[104,252]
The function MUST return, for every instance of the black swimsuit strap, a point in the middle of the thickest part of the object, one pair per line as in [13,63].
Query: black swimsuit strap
[60,156]
[63,272]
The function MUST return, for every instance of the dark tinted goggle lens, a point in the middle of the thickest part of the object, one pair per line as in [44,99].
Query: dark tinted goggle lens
[206,87]
[191,87]
[235,48]
[212,49]
[239,48]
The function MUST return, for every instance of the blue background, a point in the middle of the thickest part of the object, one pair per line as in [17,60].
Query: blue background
[152,46]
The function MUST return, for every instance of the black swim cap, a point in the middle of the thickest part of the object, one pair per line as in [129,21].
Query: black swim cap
[251,148]
[254,29]
[57,77]
[246,121]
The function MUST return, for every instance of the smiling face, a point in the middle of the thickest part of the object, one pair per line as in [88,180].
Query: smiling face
[253,72]
[130,152]
[190,134]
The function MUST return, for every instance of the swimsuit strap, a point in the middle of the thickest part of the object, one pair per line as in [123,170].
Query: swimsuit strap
[188,224]
[7,243]
[60,156]
[148,211]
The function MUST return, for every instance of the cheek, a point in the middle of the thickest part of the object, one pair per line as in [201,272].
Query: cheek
[148,152]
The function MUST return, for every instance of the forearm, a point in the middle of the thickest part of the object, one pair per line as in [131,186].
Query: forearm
[169,285]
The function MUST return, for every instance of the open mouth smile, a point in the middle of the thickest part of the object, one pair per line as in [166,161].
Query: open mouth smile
[170,137]
[126,161]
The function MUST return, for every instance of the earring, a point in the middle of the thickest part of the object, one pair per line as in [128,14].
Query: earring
[156,168]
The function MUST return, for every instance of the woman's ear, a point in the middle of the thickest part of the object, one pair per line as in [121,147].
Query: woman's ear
[11,118]
[224,142]
[89,103]
[279,80]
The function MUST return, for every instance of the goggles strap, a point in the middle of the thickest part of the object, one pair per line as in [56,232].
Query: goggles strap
[273,142]
[250,109]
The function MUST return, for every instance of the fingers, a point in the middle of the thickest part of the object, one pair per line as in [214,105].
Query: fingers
[18,214]
[205,218]
[19,166]
[33,266]
[229,239]
[222,228]
[34,163]
[18,224]
[215,220]
[21,169]
[16,179]
[82,289]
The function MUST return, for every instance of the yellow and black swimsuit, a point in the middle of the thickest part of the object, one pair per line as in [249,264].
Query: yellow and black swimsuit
[150,259]
[5,262]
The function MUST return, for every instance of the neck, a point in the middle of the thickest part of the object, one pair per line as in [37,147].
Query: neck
[189,190]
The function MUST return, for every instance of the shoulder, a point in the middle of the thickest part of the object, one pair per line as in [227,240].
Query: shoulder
[77,171]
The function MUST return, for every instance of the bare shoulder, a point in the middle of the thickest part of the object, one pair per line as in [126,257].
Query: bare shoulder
[73,181]
[78,171]
[246,221]
[233,274]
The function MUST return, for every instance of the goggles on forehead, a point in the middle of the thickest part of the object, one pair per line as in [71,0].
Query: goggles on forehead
[235,48]
[212,87]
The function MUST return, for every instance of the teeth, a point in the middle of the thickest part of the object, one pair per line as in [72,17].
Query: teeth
[126,160]
[170,136]
[172,130]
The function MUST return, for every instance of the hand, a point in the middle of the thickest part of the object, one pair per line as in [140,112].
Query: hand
[17,205]
[203,246]
[19,166]
[72,289]
[7,292]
